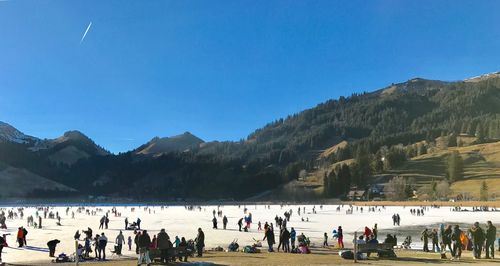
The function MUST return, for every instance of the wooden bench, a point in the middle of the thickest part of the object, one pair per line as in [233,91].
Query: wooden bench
[383,250]
[172,254]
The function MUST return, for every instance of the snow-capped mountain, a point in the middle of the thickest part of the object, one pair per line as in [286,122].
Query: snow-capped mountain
[9,133]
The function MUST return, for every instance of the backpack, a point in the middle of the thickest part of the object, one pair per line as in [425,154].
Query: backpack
[249,249]
[348,255]
[233,246]
[62,258]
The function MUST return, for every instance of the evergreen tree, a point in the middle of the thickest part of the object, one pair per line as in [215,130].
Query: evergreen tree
[343,184]
[483,191]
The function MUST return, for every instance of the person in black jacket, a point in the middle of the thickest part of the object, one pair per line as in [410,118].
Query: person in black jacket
[224,222]
[446,238]
[286,240]
[214,222]
[25,232]
[435,241]
[457,243]
[163,244]
[425,238]
[144,242]
[478,238]
[200,242]
[101,246]
[269,235]
[491,234]
[240,224]
[52,247]
[2,243]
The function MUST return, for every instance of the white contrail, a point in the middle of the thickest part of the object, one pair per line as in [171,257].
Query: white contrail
[86,31]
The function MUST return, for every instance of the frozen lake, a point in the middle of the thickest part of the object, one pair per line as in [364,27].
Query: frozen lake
[178,221]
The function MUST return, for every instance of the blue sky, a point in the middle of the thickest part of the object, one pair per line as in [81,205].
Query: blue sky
[221,69]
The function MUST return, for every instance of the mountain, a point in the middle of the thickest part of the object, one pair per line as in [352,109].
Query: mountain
[179,143]
[10,134]
[23,183]
[351,141]
[69,148]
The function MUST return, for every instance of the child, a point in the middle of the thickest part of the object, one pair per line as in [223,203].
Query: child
[129,243]
[325,242]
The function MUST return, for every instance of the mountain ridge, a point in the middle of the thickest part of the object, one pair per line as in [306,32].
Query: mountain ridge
[281,151]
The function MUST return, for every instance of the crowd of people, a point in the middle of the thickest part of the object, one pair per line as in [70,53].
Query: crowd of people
[278,234]
[455,239]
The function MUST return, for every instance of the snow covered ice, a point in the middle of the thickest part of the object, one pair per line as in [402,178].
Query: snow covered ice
[178,221]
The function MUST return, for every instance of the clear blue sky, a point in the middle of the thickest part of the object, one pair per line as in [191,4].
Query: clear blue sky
[221,69]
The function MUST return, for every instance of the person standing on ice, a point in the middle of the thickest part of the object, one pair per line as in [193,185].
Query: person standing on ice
[20,237]
[214,222]
[101,245]
[129,242]
[2,244]
[435,240]
[425,238]
[457,243]
[120,241]
[491,233]
[144,242]
[163,244]
[280,239]
[478,238]
[200,242]
[224,222]
[340,237]
[375,231]
[286,240]
[139,223]
[269,235]
[240,223]
[293,235]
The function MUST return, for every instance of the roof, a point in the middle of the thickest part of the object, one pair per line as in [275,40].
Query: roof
[354,193]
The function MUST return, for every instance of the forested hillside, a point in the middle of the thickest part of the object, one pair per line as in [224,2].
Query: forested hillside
[380,131]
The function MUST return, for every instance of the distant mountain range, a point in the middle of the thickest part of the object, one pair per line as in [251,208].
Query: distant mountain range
[185,166]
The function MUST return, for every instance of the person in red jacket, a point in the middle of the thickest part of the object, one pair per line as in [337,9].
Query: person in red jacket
[20,237]
[368,233]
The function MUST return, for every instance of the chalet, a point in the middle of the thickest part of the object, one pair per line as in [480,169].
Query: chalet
[356,194]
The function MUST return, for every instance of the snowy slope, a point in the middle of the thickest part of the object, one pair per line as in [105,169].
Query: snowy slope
[10,134]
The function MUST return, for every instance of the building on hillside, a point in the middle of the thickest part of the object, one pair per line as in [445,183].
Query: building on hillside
[356,194]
